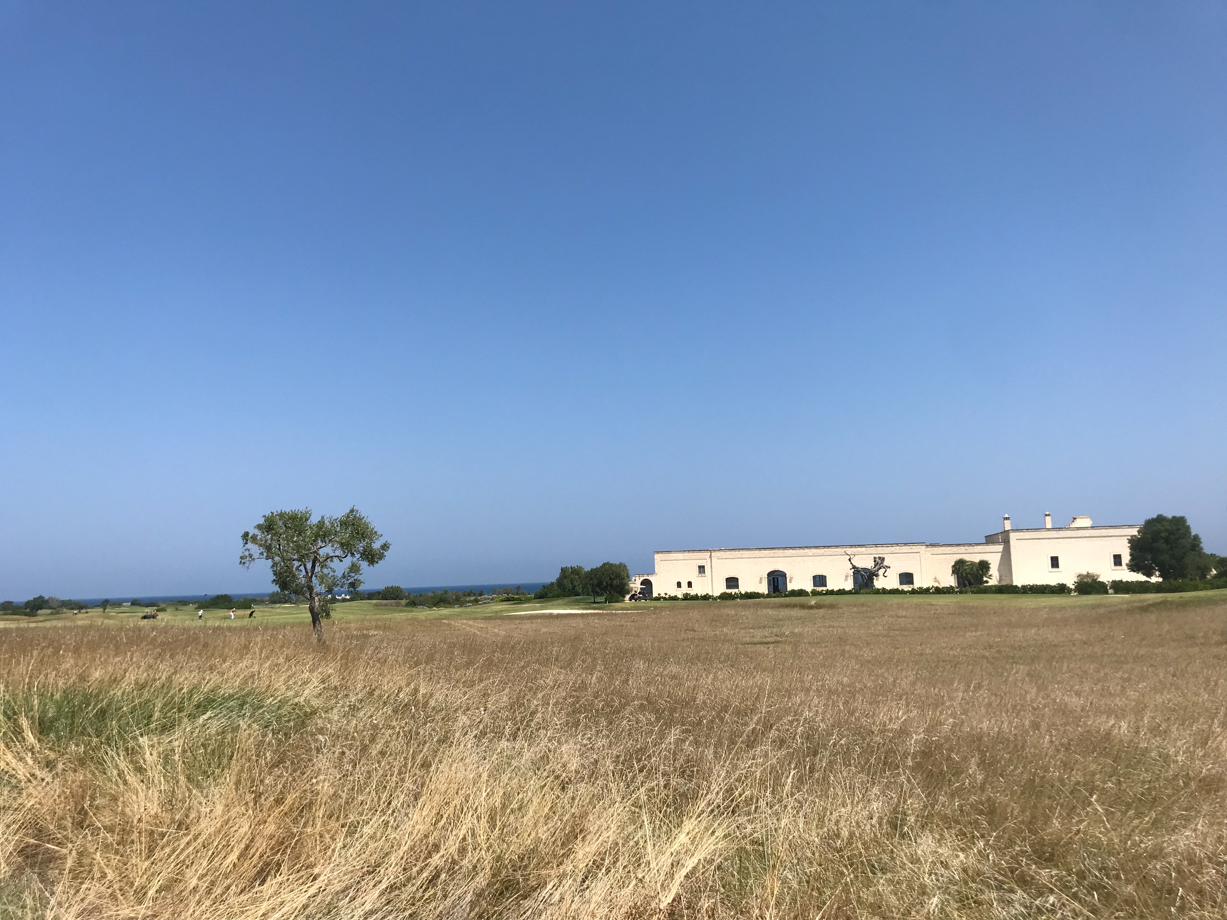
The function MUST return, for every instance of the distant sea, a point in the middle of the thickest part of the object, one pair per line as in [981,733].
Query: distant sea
[528,586]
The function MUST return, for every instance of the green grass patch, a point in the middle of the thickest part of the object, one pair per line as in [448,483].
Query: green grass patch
[117,717]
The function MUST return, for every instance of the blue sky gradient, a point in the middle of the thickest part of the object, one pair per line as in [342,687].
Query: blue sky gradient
[534,285]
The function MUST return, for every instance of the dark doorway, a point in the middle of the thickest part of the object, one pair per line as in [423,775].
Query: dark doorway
[777,582]
[645,588]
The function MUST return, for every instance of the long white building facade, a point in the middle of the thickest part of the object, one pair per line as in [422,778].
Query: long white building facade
[1042,555]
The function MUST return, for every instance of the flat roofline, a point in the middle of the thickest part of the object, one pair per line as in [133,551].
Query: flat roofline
[772,549]
[1064,529]
[953,545]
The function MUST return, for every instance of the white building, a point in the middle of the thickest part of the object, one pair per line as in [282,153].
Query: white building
[1044,555]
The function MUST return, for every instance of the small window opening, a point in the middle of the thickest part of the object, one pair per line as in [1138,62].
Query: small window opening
[689,585]
[820,581]
[905,578]
[1116,561]
[732,584]
[679,584]
[702,570]
[1054,562]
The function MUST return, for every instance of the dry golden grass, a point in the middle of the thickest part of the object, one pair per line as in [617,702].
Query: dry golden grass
[876,757]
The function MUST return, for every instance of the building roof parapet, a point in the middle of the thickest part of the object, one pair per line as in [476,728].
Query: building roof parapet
[1073,530]
[776,549]
[959,545]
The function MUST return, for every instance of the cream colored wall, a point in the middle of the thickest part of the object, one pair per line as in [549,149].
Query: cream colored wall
[800,564]
[939,557]
[1017,557]
[1079,549]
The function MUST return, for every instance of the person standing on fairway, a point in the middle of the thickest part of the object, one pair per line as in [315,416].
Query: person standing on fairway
[232,613]
[200,615]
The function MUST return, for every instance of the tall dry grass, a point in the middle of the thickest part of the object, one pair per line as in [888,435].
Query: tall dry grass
[990,758]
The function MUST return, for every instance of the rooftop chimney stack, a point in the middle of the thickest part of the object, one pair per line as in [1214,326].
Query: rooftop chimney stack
[1005,522]
[1048,520]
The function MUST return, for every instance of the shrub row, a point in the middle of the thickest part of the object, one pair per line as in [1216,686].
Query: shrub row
[1174,586]
[826,592]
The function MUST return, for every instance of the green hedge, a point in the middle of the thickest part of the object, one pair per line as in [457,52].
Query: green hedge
[1175,586]
[827,592]
[1091,587]
[1084,588]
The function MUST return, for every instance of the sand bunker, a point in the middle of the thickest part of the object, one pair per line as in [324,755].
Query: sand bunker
[520,613]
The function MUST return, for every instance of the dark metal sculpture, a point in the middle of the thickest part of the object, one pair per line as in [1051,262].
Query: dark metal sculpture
[863,577]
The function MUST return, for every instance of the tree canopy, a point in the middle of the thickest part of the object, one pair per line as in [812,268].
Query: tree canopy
[569,583]
[611,580]
[1167,547]
[306,554]
[970,574]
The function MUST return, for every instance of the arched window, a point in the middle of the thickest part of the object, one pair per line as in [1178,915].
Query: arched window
[679,584]
[777,582]
[732,584]
[820,581]
[906,579]
[689,584]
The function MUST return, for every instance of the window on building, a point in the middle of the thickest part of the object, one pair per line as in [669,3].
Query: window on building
[1054,562]
[702,570]
[905,578]
[679,584]
[689,585]
[1116,561]
[732,584]
[820,581]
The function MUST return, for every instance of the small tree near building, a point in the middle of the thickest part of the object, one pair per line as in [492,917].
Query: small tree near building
[304,554]
[970,574]
[1089,583]
[1167,547]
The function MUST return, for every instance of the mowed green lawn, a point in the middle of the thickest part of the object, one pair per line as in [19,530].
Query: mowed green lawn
[376,611]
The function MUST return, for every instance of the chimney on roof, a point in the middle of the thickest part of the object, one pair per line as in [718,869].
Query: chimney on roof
[1048,520]
[1005,522]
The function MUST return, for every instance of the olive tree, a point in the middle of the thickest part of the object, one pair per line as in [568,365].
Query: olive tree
[304,554]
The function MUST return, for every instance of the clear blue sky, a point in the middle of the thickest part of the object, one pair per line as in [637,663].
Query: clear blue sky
[535,284]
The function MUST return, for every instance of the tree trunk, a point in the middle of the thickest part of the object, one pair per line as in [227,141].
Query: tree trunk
[313,604]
